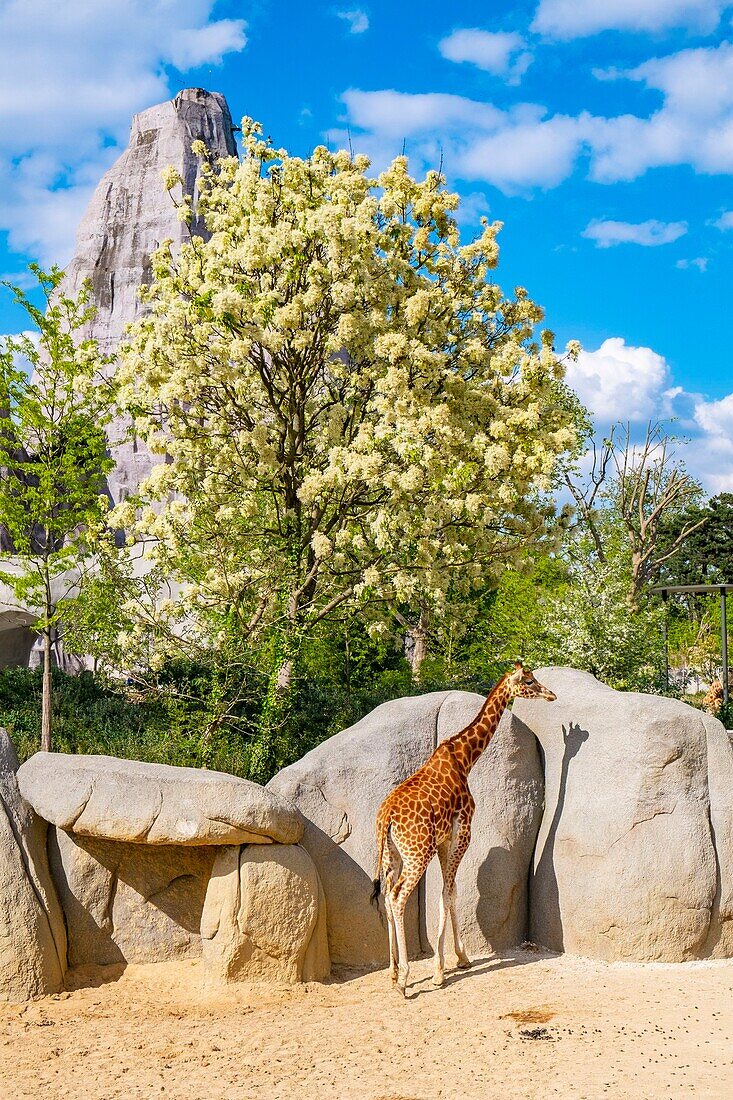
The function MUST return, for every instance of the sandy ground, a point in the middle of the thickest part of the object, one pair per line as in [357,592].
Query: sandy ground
[521,1026]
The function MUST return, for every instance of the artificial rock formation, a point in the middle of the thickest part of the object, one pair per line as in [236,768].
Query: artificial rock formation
[634,858]
[265,916]
[148,859]
[128,800]
[339,786]
[130,213]
[130,902]
[32,932]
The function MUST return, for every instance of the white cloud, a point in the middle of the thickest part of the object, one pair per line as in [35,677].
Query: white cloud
[501,53]
[357,20]
[621,382]
[526,146]
[473,207]
[20,360]
[206,45]
[699,262]
[725,221]
[401,114]
[71,76]
[577,18]
[716,418]
[650,233]
[715,455]
[693,125]
[513,150]
[524,153]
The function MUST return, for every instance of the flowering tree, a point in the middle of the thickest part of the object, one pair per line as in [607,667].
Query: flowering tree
[350,408]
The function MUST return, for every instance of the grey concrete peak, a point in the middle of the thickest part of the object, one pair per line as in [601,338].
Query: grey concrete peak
[129,800]
[128,216]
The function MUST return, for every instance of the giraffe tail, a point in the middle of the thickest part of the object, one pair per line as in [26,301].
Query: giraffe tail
[383,824]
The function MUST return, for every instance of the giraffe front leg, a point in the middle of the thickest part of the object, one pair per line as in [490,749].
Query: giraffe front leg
[439,960]
[461,839]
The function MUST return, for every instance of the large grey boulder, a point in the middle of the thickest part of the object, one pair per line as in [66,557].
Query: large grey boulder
[102,796]
[338,788]
[626,865]
[130,902]
[32,932]
[507,785]
[129,214]
[265,917]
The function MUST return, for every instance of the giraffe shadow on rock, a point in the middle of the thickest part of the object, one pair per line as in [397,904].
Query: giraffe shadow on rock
[544,892]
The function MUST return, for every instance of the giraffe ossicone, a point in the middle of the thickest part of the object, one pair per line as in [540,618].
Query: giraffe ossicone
[430,813]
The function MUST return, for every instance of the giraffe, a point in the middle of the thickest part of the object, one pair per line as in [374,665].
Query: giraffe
[713,701]
[431,812]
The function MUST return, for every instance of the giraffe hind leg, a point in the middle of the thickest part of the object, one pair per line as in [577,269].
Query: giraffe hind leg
[390,871]
[412,871]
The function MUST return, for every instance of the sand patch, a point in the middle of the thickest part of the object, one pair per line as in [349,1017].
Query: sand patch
[623,1031]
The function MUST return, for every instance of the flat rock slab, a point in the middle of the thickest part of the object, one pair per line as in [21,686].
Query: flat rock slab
[128,800]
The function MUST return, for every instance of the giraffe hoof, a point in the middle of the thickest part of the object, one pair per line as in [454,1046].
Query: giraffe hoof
[464,964]
[438,980]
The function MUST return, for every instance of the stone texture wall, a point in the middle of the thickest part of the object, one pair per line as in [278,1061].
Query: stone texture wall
[129,215]
[635,852]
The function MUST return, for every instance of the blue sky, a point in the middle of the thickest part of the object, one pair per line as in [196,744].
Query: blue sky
[601,134]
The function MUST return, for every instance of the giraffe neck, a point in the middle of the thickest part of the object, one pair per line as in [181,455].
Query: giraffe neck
[471,742]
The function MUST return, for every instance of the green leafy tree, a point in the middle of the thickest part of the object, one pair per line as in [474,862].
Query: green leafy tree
[706,556]
[636,512]
[352,411]
[53,458]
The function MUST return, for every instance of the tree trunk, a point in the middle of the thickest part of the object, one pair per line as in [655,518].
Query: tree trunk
[637,580]
[285,677]
[46,697]
[417,645]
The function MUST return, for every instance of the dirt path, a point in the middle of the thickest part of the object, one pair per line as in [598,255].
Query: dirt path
[519,1027]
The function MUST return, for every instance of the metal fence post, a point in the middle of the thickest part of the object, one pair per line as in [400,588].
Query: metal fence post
[724,643]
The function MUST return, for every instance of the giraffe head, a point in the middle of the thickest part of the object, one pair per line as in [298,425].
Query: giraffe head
[523,684]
